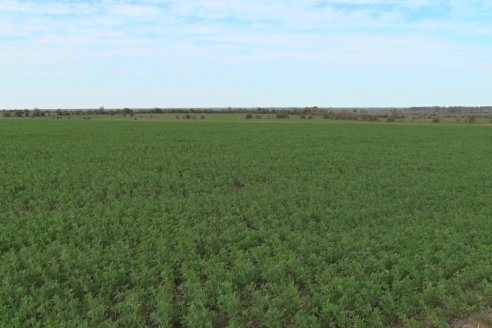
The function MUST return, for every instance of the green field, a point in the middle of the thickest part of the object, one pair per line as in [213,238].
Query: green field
[212,224]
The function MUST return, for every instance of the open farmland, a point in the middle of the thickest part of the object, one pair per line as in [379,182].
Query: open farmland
[196,224]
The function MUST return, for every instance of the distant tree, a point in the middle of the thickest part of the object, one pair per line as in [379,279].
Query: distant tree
[36,112]
[6,113]
[248,116]
[127,111]
[328,115]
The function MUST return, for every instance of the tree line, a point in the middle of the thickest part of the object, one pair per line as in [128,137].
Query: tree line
[334,113]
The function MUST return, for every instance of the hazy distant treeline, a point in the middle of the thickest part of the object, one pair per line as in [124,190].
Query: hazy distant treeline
[259,110]
[452,109]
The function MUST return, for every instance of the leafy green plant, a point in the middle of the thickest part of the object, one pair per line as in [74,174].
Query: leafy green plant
[280,223]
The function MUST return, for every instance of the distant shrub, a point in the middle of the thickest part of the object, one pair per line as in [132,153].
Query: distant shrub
[36,112]
[188,116]
[282,115]
[258,117]
[328,116]
[399,115]
[127,111]
[177,117]
[390,119]
[368,117]
[470,119]
[6,114]
[302,117]
[202,117]
[345,116]
[436,120]
[310,117]
[248,116]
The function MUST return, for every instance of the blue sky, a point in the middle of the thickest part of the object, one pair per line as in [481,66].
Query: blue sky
[191,53]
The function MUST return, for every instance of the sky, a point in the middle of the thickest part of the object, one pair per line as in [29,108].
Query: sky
[244,53]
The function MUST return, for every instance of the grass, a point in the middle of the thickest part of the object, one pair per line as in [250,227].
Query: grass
[152,223]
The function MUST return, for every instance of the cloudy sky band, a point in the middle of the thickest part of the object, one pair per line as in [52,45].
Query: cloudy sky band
[422,45]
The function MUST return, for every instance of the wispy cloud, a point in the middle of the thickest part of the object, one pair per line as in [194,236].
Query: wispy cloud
[383,34]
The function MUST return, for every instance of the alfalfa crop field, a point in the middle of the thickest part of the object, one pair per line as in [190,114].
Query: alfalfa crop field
[207,224]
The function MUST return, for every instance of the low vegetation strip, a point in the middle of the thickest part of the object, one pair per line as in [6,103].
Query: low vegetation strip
[155,224]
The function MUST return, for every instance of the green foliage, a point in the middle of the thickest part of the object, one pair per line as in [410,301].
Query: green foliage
[136,224]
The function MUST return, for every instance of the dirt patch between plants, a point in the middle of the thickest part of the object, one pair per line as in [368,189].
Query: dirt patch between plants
[480,320]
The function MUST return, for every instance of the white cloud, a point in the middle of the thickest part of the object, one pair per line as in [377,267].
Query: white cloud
[47,7]
[135,11]
[374,31]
